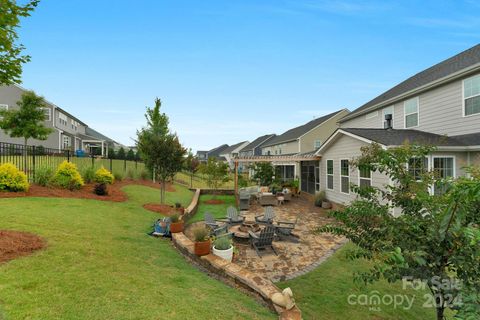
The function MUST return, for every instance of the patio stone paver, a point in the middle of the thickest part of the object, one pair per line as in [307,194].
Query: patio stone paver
[294,258]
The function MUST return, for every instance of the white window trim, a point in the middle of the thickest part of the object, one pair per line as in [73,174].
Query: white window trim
[371,115]
[405,114]
[361,178]
[432,166]
[393,116]
[315,144]
[326,174]
[49,114]
[463,98]
[429,165]
[342,176]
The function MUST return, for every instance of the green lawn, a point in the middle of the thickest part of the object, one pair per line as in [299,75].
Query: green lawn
[323,294]
[100,264]
[219,211]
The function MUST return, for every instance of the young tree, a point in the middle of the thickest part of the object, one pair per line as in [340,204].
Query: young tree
[11,59]
[111,153]
[130,155]
[191,165]
[216,172]
[121,154]
[435,240]
[159,148]
[264,173]
[26,122]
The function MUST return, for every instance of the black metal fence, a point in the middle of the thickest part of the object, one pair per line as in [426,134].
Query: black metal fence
[31,158]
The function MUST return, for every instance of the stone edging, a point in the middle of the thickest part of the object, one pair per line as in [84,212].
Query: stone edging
[261,286]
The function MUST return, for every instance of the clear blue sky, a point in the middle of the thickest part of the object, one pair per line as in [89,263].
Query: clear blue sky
[230,70]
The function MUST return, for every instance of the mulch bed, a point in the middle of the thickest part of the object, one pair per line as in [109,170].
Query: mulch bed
[115,192]
[214,201]
[14,244]
[160,208]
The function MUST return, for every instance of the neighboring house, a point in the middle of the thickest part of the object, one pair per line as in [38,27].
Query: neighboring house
[69,132]
[304,139]
[213,153]
[232,152]
[254,148]
[96,143]
[202,156]
[439,106]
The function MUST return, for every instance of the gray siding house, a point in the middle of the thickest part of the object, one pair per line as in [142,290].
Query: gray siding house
[439,106]
[254,148]
[69,132]
[232,152]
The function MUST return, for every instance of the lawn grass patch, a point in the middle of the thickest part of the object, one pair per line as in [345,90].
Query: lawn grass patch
[219,211]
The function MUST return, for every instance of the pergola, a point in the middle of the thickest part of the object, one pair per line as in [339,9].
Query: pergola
[311,156]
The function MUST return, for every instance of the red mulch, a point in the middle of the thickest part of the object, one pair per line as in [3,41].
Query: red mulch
[86,192]
[160,208]
[214,201]
[14,244]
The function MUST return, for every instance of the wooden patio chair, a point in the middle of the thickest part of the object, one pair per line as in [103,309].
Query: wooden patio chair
[284,229]
[264,240]
[210,221]
[266,217]
[234,217]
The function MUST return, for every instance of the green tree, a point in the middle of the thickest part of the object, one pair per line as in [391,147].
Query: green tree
[216,173]
[26,122]
[11,58]
[263,173]
[130,155]
[435,240]
[191,165]
[111,153]
[159,148]
[121,154]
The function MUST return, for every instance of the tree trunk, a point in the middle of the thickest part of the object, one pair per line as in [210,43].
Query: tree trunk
[440,313]
[162,191]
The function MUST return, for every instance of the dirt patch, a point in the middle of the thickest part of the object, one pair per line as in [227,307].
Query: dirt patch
[14,244]
[214,201]
[160,208]
[115,192]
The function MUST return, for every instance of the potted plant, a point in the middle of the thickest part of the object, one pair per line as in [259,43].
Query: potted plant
[295,184]
[202,241]
[321,200]
[179,208]
[176,224]
[223,248]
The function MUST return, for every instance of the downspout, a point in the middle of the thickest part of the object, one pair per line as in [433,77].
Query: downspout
[55,127]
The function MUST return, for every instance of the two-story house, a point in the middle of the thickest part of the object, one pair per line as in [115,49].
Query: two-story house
[203,156]
[68,131]
[439,106]
[232,152]
[306,138]
[254,148]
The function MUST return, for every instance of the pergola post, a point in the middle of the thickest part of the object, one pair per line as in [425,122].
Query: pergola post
[236,182]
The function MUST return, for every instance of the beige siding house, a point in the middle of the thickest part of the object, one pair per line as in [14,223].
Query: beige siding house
[439,106]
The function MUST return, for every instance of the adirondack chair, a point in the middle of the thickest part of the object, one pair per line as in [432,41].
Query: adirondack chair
[221,232]
[283,229]
[210,221]
[264,240]
[267,217]
[234,217]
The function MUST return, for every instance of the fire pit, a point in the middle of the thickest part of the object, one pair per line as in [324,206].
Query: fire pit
[241,231]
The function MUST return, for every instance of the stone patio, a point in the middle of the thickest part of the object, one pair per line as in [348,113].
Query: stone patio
[294,258]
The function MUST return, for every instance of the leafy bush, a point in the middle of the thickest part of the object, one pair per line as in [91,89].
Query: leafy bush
[104,176]
[43,176]
[12,179]
[144,175]
[100,189]
[222,243]
[67,176]
[319,198]
[130,174]
[200,233]
[88,174]
[118,176]
[175,217]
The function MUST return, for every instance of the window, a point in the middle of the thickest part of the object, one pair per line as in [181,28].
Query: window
[411,113]
[74,125]
[330,174]
[417,167]
[471,95]
[285,173]
[317,178]
[344,176]
[364,177]
[62,119]
[444,167]
[66,142]
[371,115]
[387,110]
[48,114]
[317,144]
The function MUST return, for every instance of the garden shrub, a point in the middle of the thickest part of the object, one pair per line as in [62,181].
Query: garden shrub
[118,176]
[130,174]
[104,176]
[88,174]
[12,179]
[144,175]
[100,189]
[43,176]
[67,176]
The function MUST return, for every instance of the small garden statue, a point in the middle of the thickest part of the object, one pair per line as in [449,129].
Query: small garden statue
[284,299]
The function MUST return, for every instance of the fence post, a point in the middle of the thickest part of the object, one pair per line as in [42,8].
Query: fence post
[33,162]
[68,155]
[136,165]
[93,161]
[111,165]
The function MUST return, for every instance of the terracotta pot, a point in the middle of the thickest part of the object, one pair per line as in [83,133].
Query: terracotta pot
[326,205]
[202,248]
[176,227]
